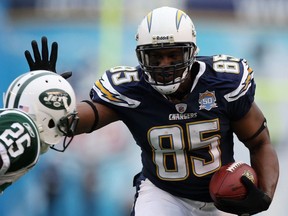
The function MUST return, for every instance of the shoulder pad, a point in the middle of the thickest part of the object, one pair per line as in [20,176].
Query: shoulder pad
[113,85]
[230,71]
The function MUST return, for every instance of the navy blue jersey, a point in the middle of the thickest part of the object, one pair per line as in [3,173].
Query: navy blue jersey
[182,144]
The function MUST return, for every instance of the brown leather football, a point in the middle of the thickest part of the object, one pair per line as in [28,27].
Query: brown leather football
[226,183]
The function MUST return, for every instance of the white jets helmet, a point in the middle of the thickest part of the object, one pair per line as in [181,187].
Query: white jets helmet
[49,100]
[166,28]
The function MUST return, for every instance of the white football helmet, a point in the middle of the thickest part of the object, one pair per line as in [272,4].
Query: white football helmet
[48,98]
[166,28]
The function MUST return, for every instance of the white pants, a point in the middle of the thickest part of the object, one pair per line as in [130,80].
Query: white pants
[153,201]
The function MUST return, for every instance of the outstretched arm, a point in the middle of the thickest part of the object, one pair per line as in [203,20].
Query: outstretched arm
[91,118]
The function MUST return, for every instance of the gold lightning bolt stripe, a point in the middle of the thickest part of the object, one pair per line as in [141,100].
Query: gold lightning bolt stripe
[248,79]
[107,94]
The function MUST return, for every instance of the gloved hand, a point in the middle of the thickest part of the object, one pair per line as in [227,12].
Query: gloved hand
[255,202]
[42,61]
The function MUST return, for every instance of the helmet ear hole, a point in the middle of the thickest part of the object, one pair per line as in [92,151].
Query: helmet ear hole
[51,123]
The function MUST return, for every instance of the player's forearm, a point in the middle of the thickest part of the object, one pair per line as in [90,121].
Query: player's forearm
[86,122]
[93,116]
[265,162]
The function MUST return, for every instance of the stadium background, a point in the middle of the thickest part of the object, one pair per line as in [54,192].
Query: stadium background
[94,176]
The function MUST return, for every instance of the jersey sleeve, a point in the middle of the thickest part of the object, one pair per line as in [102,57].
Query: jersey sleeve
[115,88]
[241,97]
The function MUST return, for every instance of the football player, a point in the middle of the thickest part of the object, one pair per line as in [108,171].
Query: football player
[47,97]
[19,145]
[183,111]
[35,102]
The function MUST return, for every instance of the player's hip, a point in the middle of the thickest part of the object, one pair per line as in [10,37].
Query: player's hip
[151,200]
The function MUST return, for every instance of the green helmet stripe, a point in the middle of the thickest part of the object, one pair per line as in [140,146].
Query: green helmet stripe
[23,86]
[9,93]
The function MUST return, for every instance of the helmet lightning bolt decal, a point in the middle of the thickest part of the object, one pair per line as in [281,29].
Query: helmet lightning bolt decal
[149,21]
[179,16]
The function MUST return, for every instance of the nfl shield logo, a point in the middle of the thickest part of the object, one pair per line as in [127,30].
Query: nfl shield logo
[181,108]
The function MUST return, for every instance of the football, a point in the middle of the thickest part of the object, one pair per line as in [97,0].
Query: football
[226,183]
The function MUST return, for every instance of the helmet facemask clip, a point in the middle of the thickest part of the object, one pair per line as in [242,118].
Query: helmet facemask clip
[67,126]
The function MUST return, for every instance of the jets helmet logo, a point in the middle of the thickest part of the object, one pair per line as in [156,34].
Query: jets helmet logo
[56,99]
